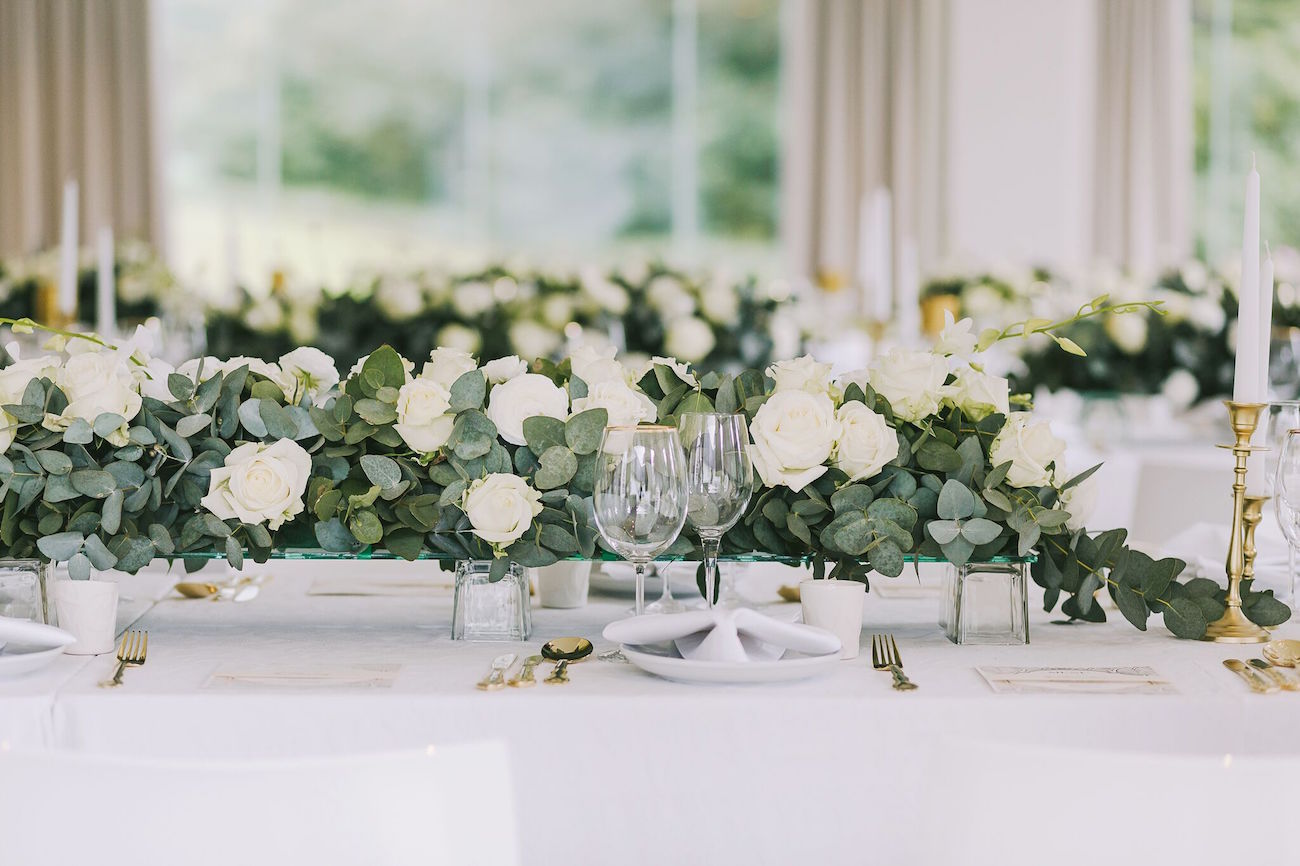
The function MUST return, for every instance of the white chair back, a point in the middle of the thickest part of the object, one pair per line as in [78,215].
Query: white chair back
[1015,805]
[446,805]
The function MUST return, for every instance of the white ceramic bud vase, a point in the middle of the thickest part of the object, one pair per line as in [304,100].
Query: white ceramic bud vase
[835,605]
[564,584]
[88,610]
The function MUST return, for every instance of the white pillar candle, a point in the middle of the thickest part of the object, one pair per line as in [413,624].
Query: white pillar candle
[105,285]
[909,292]
[874,263]
[1245,383]
[1256,473]
[68,250]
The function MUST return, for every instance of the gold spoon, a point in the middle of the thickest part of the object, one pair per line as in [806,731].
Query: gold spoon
[197,590]
[563,650]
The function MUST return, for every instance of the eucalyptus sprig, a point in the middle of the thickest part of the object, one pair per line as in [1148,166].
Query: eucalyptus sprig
[1098,306]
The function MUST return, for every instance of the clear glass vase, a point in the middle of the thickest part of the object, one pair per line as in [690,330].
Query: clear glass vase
[487,610]
[986,603]
[25,590]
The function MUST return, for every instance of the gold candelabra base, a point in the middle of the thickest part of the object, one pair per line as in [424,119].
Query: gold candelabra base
[1247,511]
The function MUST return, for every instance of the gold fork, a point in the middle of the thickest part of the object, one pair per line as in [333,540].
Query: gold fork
[885,657]
[134,646]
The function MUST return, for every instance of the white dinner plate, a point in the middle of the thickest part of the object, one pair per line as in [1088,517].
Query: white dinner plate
[665,662]
[18,659]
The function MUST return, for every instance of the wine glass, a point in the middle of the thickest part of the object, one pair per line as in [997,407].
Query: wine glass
[1286,498]
[639,499]
[719,482]
[1283,416]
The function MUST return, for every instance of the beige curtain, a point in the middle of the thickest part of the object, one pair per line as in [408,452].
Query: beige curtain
[865,109]
[1144,136]
[75,103]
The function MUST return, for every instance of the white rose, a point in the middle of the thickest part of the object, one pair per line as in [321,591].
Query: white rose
[303,323]
[594,365]
[407,366]
[151,379]
[956,338]
[95,383]
[666,294]
[720,304]
[422,419]
[866,442]
[260,483]
[1181,389]
[682,371]
[801,374]
[531,340]
[604,294]
[557,310]
[978,394]
[447,364]
[1194,275]
[526,396]
[1080,500]
[1128,331]
[211,367]
[265,315]
[794,433]
[307,372]
[1030,447]
[255,365]
[14,380]
[912,382]
[504,369]
[690,339]
[501,507]
[1207,314]
[626,405]
[399,298]
[456,336]
[472,299]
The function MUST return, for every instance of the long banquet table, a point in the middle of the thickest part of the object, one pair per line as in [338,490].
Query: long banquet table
[648,771]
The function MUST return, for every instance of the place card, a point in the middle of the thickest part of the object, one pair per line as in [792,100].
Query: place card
[358,675]
[1130,680]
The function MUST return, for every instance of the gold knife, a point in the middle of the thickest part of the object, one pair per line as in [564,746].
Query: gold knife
[1252,677]
[1290,684]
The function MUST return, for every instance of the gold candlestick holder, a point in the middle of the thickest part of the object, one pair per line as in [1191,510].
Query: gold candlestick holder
[1233,626]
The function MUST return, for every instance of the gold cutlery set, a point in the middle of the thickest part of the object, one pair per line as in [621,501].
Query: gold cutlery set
[1270,674]
[563,651]
[886,657]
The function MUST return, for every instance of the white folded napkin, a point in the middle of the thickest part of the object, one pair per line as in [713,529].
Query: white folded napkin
[32,634]
[725,635]
[1204,547]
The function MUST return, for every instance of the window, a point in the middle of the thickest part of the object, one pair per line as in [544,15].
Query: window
[1246,99]
[330,136]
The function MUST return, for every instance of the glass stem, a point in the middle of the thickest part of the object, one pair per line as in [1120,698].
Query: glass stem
[711,545]
[1290,558]
[640,587]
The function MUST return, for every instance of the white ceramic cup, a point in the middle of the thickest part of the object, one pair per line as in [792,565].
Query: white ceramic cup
[835,605]
[88,610]
[564,584]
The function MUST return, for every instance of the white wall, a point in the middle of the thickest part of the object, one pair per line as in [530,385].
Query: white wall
[1021,127]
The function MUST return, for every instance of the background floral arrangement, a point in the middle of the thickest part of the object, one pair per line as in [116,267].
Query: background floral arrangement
[716,322]
[112,458]
[1183,350]
[145,286]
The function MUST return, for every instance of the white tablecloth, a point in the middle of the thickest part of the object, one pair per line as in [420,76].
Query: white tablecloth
[621,767]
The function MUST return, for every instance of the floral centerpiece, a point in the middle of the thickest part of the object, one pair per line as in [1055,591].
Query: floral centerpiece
[717,321]
[111,459]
